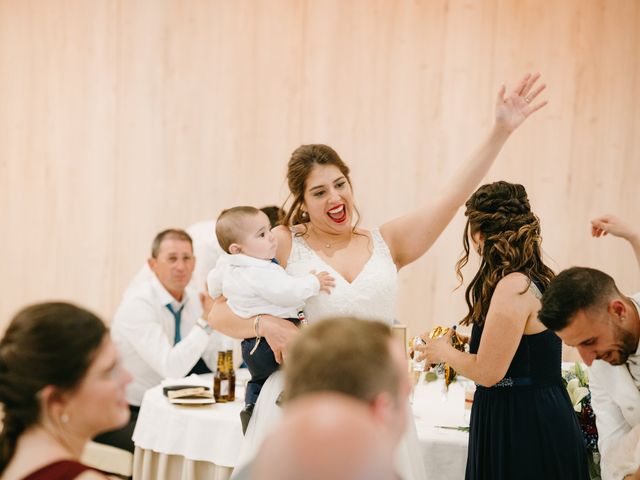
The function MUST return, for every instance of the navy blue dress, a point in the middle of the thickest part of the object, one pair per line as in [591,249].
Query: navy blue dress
[525,426]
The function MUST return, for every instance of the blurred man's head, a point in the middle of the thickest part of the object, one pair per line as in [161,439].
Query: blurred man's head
[326,436]
[586,309]
[358,358]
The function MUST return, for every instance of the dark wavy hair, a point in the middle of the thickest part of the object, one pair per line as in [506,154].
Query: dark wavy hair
[45,344]
[501,212]
[302,161]
[574,290]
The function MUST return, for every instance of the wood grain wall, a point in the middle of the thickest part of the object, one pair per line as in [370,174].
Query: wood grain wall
[120,118]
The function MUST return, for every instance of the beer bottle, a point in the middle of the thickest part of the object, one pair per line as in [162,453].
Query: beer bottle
[221,380]
[231,373]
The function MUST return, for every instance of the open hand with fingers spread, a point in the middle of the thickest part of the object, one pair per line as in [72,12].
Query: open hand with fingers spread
[514,108]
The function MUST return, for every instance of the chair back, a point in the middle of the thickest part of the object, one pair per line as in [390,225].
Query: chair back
[108,459]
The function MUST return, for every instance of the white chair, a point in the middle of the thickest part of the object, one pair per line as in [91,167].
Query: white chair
[108,459]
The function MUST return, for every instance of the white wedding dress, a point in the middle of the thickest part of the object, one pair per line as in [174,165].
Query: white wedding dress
[370,296]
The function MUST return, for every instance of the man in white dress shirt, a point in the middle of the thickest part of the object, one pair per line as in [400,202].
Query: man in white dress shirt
[160,328]
[586,309]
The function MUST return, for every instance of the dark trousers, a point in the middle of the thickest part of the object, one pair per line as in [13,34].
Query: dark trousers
[122,437]
[261,364]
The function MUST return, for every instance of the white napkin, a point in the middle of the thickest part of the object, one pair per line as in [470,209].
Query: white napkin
[192,380]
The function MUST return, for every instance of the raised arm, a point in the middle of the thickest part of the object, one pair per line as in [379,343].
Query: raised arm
[617,227]
[427,223]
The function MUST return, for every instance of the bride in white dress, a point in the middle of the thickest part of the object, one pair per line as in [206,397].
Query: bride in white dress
[321,235]
[371,296]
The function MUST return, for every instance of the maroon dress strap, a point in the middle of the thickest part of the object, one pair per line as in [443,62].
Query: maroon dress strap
[60,470]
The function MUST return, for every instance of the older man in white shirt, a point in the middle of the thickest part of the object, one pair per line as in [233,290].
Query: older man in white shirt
[160,328]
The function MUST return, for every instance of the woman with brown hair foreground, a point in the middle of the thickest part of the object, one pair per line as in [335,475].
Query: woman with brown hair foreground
[60,385]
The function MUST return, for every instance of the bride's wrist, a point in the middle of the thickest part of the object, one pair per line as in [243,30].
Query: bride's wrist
[263,326]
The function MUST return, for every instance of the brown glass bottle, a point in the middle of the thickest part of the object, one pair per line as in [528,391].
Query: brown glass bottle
[231,373]
[221,380]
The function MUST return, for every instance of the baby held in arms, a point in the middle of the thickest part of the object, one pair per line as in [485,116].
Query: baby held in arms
[253,282]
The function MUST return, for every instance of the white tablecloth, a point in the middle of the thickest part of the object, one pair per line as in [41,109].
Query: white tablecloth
[444,451]
[213,434]
[208,433]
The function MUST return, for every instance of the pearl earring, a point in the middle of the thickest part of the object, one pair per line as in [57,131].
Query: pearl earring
[64,418]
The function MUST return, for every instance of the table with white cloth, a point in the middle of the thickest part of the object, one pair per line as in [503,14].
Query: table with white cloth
[444,450]
[187,442]
[202,442]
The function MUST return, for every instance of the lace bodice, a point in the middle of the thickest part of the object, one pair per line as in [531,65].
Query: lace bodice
[371,295]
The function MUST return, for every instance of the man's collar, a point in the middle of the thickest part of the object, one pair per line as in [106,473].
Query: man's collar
[164,295]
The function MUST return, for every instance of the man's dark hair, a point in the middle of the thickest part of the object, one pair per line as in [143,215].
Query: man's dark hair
[573,290]
[275,214]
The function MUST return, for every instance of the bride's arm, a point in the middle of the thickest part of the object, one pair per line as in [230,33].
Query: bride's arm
[427,223]
[276,331]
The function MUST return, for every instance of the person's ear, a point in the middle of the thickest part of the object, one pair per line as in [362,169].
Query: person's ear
[152,262]
[234,249]
[382,407]
[52,402]
[618,309]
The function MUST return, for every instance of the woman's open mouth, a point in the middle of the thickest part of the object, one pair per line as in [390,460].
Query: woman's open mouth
[338,214]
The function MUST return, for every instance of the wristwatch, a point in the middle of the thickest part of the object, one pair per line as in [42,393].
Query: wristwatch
[201,322]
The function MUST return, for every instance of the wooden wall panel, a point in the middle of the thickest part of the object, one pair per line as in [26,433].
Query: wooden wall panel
[119,118]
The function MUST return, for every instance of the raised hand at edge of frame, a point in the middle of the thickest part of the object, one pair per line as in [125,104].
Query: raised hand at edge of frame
[609,223]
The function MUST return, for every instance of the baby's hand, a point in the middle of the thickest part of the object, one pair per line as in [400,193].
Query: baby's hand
[327,282]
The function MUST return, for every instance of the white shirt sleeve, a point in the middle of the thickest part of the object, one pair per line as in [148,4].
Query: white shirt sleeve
[215,277]
[610,422]
[279,288]
[624,458]
[139,324]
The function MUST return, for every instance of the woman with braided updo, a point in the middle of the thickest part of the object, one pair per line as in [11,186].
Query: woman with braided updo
[60,384]
[522,421]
